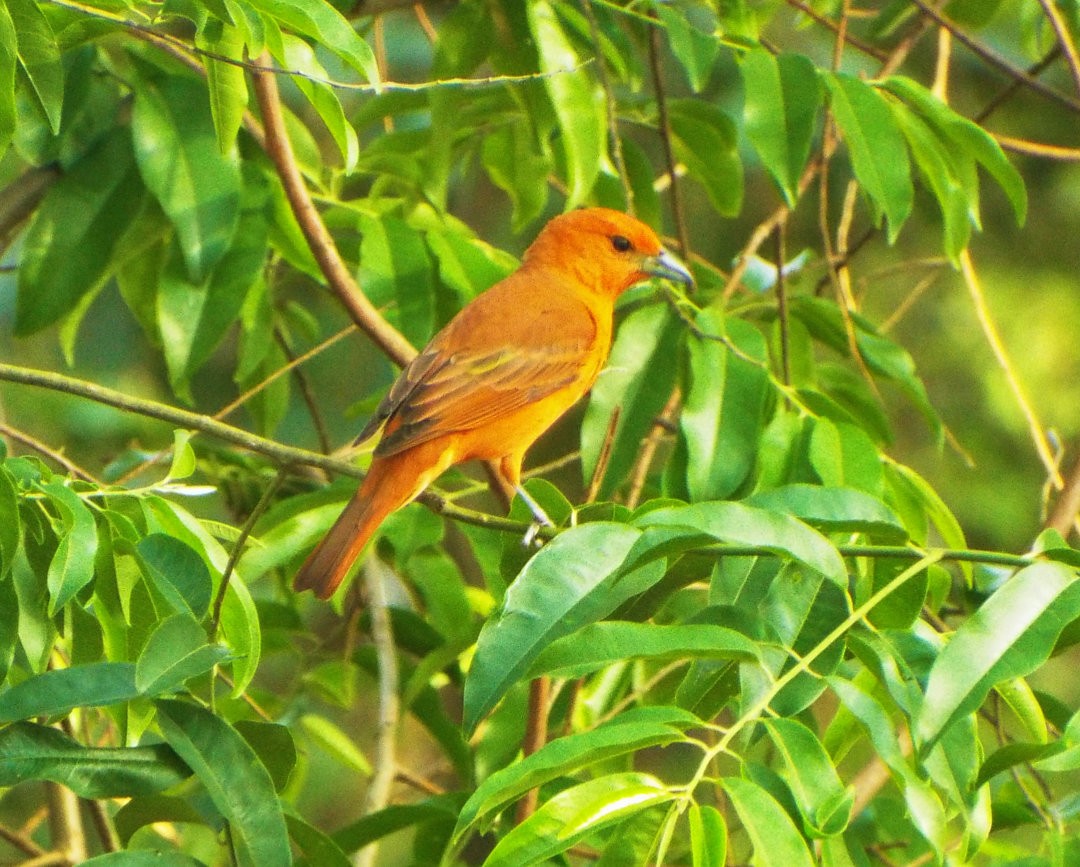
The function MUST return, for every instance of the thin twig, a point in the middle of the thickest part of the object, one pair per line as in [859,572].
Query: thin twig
[995,60]
[1064,517]
[1061,31]
[306,394]
[238,546]
[997,346]
[103,824]
[337,273]
[829,24]
[660,428]
[1038,149]
[782,307]
[604,458]
[52,454]
[20,841]
[664,125]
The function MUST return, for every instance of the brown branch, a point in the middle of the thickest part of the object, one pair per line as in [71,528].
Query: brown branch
[664,125]
[1061,30]
[1038,149]
[829,24]
[306,394]
[660,427]
[22,196]
[52,454]
[1063,518]
[21,842]
[535,737]
[337,273]
[993,59]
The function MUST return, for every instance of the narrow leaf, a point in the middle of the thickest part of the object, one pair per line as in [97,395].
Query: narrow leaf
[740,524]
[878,154]
[570,582]
[558,824]
[1011,635]
[773,837]
[601,644]
[176,147]
[37,752]
[235,779]
[576,98]
[783,96]
[60,690]
[72,566]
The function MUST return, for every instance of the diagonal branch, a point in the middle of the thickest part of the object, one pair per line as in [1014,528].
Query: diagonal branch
[337,273]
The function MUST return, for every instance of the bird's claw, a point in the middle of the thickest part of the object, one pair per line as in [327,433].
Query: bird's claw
[532,536]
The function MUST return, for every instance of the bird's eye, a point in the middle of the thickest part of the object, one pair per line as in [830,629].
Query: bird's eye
[621,243]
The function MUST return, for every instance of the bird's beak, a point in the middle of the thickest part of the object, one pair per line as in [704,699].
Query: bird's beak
[664,265]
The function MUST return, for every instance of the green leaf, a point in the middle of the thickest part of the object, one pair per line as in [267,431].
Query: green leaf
[823,801]
[577,100]
[1011,635]
[10,523]
[881,355]
[9,55]
[273,744]
[242,633]
[723,410]
[561,822]
[147,809]
[396,271]
[573,580]
[937,165]
[879,156]
[708,836]
[601,644]
[37,752]
[737,524]
[198,186]
[833,510]
[773,837]
[318,848]
[72,566]
[517,166]
[226,81]
[143,858]
[193,317]
[695,49]
[300,56]
[435,810]
[638,381]
[783,95]
[178,573]
[328,27]
[175,651]
[965,135]
[40,58]
[58,691]
[336,743]
[234,778]
[623,735]
[71,241]
[706,142]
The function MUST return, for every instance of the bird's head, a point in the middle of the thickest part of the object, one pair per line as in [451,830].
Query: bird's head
[606,249]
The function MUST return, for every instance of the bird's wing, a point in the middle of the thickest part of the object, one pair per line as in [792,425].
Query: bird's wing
[468,389]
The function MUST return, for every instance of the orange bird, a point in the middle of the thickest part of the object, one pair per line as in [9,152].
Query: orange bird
[498,374]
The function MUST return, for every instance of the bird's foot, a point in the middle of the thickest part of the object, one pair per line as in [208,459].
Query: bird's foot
[532,535]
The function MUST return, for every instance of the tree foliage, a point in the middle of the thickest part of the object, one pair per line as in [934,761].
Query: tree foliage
[759,633]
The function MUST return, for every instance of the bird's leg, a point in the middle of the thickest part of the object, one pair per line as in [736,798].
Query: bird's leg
[542,520]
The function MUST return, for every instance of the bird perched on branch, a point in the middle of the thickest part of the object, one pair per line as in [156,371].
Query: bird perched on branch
[498,374]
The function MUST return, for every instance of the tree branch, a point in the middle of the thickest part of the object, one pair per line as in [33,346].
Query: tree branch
[337,273]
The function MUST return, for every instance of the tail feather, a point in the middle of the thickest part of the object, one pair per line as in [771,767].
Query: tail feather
[330,561]
[391,482]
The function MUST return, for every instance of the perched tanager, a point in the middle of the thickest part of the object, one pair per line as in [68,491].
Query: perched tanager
[498,374]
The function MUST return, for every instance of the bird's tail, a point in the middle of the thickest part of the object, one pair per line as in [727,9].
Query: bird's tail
[383,491]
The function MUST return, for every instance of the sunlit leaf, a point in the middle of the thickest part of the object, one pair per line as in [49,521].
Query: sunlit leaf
[1011,635]
[198,186]
[878,154]
[783,96]
[576,98]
